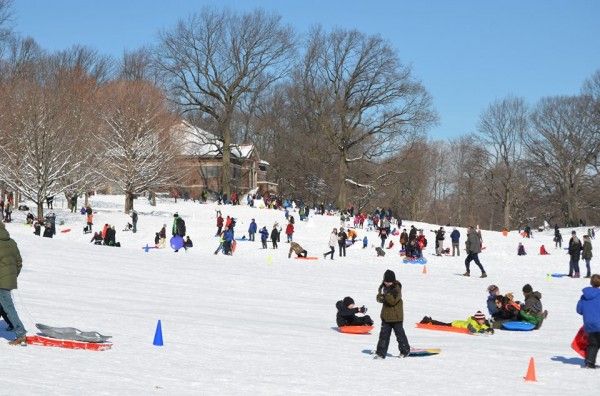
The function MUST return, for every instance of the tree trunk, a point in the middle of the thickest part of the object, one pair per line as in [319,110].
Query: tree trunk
[152,198]
[86,197]
[226,168]
[342,173]
[128,201]
[40,209]
[506,208]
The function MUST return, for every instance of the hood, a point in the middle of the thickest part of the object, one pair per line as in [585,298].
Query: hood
[339,305]
[4,235]
[590,293]
[535,294]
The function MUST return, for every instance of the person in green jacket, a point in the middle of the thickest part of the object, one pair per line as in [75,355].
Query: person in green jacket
[475,324]
[392,316]
[586,254]
[10,267]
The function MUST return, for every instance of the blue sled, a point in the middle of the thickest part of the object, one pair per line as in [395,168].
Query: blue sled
[518,326]
[420,260]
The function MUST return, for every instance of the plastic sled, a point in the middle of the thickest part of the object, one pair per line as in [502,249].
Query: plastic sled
[580,342]
[65,230]
[176,242]
[147,248]
[420,260]
[414,352]
[355,329]
[556,275]
[307,258]
[450,329]
[518,326]
[69,344]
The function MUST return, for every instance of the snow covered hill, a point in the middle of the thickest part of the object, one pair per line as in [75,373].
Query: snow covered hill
[260,323]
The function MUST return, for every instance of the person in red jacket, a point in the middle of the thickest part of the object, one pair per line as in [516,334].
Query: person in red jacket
[219,224]
[289,231]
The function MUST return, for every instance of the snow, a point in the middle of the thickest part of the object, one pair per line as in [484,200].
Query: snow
[260,323]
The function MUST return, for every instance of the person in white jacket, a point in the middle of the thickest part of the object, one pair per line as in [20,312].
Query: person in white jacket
[333,240]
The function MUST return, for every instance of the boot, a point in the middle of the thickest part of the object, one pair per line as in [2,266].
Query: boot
[483,275]
[467,274]
[18,341]
[576,275]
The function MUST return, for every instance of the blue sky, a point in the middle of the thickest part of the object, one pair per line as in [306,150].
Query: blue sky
[466,53]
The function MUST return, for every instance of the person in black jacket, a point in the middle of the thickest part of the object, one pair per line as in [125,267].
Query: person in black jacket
[134,220]
[575,249]
[346,314]
[275,235]
[342,236]
[178,226]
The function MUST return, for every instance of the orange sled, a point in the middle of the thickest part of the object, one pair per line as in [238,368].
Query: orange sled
[69,344]
[307,258]
[355,329]
[450,329]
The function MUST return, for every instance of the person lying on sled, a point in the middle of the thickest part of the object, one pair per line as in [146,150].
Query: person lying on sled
[475,324]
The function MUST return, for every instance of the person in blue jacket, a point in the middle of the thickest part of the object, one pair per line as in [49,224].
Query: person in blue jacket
[493,291]
[252,230]
[227,240]
[264,235]
[589,307]
[455,237]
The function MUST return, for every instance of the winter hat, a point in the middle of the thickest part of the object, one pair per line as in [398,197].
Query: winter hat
[479,316]
[176,215]
[527,288]
[492,288]
[389,276]
[573,232]
[348,301]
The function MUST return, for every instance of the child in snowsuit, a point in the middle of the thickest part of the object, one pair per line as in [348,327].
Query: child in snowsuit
[97,239]
[532,310]
[389,295]
[589,307]
[346,314]
[521,250]
[188,243]
[252,230]
[475,323]
[264,235]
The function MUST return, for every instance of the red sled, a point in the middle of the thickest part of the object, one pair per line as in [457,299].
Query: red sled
[307,258]
[65,230]
[355,329]
[69,344]
[428,326]
[580,342]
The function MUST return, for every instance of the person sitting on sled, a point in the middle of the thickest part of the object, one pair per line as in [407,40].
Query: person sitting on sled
[521,250]
[506,310]
[475,324]
[97,239]
[346,314]
[532,310]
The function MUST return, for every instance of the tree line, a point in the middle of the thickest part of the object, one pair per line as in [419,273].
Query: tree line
[335,112]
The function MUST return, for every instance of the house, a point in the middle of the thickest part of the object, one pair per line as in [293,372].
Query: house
[201,160]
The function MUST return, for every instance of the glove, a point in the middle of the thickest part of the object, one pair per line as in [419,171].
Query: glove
[362,309]
[490,330]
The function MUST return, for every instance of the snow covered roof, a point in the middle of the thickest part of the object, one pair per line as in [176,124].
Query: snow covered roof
[200,143]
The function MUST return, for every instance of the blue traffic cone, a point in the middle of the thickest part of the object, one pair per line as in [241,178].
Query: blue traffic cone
[158,340]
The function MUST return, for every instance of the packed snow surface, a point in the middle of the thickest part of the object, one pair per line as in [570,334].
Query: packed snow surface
[260,323]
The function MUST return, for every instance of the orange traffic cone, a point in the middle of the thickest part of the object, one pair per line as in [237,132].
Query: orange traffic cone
[424,269]
[530,376]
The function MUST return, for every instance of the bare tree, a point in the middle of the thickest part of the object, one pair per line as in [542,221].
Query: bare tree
[40,152]
[214,59]
[365,101]
[5,19]
[501,127]
[136,135]
[563,146]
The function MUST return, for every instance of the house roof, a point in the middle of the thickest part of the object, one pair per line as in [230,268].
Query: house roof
[198,142]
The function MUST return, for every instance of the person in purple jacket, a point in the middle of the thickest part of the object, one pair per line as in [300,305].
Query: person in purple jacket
[589,307]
